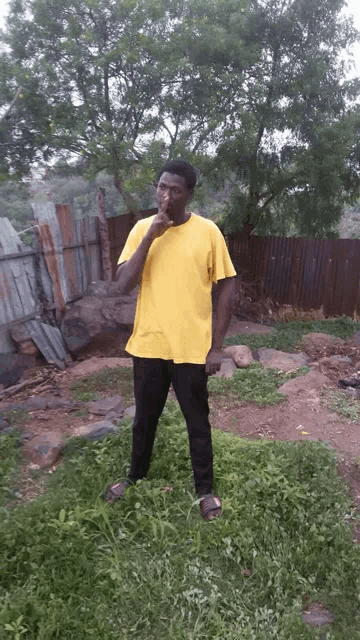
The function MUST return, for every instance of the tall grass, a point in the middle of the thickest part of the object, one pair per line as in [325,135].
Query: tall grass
[148,567]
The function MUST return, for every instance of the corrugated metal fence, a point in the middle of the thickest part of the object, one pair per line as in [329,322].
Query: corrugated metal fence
[303,272]
[36,282]
[307,273]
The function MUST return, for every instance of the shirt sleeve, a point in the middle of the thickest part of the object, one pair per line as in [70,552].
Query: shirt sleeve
[220,265]
[132,242]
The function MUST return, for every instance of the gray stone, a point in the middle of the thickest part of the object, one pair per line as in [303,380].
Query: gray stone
[115,405]
[130,412]
[241,355]
[56,402]
[45,449]
[273,359]
[96,430]
[311,381]
[227,368]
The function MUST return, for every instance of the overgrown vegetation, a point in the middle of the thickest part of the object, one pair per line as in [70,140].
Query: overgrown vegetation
[149,567]
[254,384]
[9,458]
[286,335]
[116,380]
[344,404]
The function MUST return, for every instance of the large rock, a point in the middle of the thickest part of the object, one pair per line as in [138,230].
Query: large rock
[24,342]
[319,341]
[96,430]
[12,367]
[130,412]
[241,355]
[101,309]
[311,381]
[227,369]
[45,449]
[114,405]
[273,359]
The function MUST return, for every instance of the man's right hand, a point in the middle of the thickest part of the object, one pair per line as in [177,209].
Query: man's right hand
[161,222]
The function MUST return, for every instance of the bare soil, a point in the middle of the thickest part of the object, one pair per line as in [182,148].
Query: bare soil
[302,416]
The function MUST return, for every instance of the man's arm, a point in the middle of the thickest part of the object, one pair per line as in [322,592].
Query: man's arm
[129,273]
[223,311]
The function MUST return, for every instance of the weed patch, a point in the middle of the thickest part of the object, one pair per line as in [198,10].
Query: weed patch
[114,380]
[254,384]
[9,459]
[344,404]
[148,567]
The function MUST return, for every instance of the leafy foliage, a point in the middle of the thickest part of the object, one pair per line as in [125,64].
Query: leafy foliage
[254,93]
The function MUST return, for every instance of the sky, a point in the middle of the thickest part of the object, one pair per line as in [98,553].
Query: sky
[353,8]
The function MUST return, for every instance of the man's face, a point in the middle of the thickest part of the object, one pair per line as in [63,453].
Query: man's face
[174,187]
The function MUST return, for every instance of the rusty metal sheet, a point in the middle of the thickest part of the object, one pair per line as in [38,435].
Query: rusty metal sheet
[48,340]
[17,283]
[51,242]
[66,223]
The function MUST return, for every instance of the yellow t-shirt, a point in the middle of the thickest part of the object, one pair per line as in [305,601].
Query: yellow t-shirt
[173,319]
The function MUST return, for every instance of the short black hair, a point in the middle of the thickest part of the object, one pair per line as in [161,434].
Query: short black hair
[180,168]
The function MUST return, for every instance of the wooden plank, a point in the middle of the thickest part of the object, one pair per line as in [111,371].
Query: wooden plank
[51,241]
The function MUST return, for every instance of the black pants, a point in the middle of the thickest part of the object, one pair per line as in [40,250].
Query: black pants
[152,379]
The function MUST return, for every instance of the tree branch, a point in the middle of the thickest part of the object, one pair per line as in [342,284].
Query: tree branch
[5,116]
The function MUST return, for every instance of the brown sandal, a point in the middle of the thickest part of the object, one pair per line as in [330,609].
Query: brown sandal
[210,507]
[115,491]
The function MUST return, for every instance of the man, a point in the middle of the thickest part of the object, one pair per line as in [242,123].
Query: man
[175,256]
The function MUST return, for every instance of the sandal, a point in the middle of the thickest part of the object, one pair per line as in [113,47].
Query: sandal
[115,491]
[210,507]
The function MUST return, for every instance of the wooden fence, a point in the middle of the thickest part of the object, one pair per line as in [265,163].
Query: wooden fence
[306,273]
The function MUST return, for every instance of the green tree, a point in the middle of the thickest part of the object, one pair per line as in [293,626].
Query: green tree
[291,148]
[111,85]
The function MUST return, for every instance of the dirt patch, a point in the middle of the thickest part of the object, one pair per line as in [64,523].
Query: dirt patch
[108,344]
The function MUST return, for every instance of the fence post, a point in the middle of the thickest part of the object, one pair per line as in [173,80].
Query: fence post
[104,236]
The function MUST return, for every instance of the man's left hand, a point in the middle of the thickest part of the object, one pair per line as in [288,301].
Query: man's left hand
[213,361]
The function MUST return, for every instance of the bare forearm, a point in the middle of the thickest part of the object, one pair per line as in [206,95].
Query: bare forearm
[223,311]
[129,274]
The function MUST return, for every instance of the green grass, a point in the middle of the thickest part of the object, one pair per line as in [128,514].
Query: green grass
[114,380]
[148,567]
[286,335]
[344,404]
[9,459]
[254,384]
